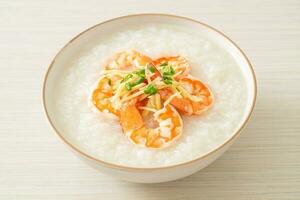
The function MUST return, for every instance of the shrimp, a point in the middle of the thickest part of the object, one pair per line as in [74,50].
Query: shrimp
[196,96]
[102,94]
[127,60]
[179,63]
[168,126]
[145,96]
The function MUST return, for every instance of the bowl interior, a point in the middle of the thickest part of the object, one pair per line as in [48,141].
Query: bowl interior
[103,30]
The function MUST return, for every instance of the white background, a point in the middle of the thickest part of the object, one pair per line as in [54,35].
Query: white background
[263,164]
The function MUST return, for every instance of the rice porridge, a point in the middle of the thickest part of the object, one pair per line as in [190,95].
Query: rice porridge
[100,134]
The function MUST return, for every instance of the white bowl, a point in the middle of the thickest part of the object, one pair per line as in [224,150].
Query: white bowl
[159,174]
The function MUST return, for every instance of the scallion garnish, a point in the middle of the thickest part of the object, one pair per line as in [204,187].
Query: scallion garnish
[152,69]
[126,78]
[150,89]
[140,73]
[167,80]
[164,64]
[141,80]
[129,86]
[168,70]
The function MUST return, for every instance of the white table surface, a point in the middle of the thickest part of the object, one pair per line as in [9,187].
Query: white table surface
[263,164]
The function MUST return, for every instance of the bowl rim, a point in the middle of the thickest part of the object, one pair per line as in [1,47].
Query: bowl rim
[129,168]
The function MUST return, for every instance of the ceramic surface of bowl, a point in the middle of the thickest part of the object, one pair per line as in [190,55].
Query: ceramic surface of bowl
[146,174]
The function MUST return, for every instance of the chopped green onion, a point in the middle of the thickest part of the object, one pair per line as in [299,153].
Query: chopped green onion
[109,82]
[150,89]
[141,80]
[129,86]
[164,64]
[168,70]
[126,78]
[167,80]
[152,69]
[140,73]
